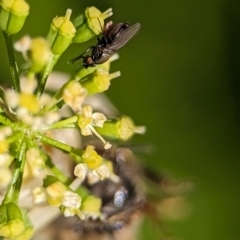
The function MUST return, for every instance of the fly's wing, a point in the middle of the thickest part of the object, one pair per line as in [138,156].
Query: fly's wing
[114,30]
[124,37]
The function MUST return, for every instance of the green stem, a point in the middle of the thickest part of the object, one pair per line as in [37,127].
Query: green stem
[12,62]
[44,76]
[57,106]
[52,107]
[57,172]
[66,123]
[14,188]
[60,175]
[14,137]
[5,121]
[60,145]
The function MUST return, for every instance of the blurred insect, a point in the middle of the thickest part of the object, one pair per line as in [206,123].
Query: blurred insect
[115,36]
[121,201]
[124,203]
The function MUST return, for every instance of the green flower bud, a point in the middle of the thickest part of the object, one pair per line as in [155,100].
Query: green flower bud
[83,33]
[26,234]
[28,231]
[13,15]
[98,81]
[39,54]
[90,25]
[61,33]
[95,18]
[12,221]
[122,128]
[82,71]
[92,204]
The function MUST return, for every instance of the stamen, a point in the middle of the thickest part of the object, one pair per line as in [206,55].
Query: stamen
[68,14]
[114,75]
[107,13]
[140,129]
[107,145]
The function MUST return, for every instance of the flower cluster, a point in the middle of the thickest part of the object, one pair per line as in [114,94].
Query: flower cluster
[30,117]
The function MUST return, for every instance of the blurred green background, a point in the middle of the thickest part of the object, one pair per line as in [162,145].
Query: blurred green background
[180,78]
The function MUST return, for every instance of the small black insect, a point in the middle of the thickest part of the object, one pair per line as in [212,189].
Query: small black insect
[115,36]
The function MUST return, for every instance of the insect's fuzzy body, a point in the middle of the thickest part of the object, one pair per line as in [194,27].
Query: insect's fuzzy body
[117,218]
[121,221]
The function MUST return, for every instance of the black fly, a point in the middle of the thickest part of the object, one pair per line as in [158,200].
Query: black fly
[115,36]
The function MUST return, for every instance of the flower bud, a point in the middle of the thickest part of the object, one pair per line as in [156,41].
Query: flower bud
[83,32]
[90,25]
[13,15]
[98,81]
[61,33]
[12,221]
[26,234]
[28,230]
[39,54]
[91,204]
[95,18]
[122,128]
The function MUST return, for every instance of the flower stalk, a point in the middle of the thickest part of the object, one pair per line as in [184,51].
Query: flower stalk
[12,62]
[46,72]
[12,194]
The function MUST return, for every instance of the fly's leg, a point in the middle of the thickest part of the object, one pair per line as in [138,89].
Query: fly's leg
[81,56]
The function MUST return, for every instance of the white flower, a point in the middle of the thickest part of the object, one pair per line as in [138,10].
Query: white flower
[39,195]
[71,202]
[55,193]
[45,99]
[5,132]
[87,120]
[5,159]
[23,45]
[12,98]
[82,171]
[74,95]
[28,85]
[102,172]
